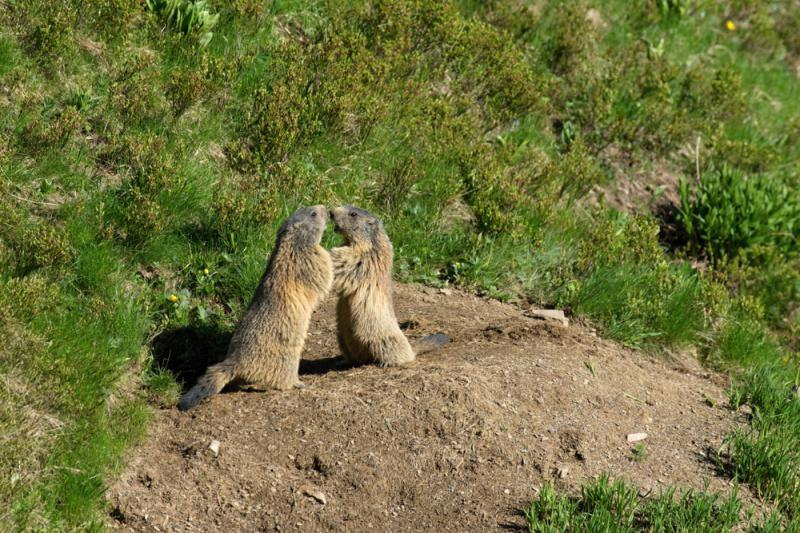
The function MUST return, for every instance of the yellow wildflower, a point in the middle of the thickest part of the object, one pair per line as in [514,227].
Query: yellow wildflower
[205,271]
[173,297]
[730,25]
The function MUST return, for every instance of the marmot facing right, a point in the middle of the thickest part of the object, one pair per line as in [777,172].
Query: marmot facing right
[362,278]
[266,346]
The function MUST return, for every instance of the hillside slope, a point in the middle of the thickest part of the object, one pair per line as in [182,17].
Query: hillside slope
[459,441]
[631,161]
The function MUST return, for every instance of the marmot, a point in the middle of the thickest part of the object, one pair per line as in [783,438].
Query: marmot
[266,345]
[362,279]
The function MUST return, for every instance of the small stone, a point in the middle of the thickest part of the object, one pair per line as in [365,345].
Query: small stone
[636,437]
[311,492]
[214,447]
[594,18]
[563,471]
[551,315]
[506,491]
[446,292]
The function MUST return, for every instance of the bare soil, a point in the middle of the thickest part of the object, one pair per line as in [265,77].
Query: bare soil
[636,188]
[462,440]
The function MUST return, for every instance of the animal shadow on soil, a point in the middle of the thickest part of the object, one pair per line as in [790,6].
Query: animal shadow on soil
[323,366]
[189,350]
[518,512]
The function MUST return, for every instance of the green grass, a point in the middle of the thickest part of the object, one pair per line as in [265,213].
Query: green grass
[767,454]
[605,505]
[639,452]
[138,152]
[68,410]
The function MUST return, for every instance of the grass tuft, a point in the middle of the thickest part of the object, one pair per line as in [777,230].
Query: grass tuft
[604,505]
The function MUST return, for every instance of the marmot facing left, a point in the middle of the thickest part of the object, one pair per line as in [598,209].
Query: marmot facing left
[362,278]
[266,346]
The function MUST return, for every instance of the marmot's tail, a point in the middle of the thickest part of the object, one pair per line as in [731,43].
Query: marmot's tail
[211,383]
[429,342]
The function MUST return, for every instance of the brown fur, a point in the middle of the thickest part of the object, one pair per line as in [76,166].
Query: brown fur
[266,346]
[368,329]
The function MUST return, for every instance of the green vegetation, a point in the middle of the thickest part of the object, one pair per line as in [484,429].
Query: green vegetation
[145,164]
[187,16]
[604,505]
[768,453]
[730,212]
[639,452]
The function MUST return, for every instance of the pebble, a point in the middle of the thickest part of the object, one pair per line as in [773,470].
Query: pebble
[636,437]
[214,447]
[318,495]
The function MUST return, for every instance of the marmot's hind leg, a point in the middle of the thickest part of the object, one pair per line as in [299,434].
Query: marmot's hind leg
[349,357]
[393,351]
[343,346]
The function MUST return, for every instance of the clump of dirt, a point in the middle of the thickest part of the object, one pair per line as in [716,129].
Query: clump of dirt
[461,440]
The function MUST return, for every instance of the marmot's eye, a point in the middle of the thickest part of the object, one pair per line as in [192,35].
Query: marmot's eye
[313,213]
[353,214]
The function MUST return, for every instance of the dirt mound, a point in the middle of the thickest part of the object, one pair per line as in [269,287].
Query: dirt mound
[462,440]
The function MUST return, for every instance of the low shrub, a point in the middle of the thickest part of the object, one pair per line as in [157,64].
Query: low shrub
[187,17]
[728,212]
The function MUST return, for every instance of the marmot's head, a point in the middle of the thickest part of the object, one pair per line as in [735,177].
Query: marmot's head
[355,224]
[305,227]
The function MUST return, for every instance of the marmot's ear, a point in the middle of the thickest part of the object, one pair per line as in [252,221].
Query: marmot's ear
[371,222]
